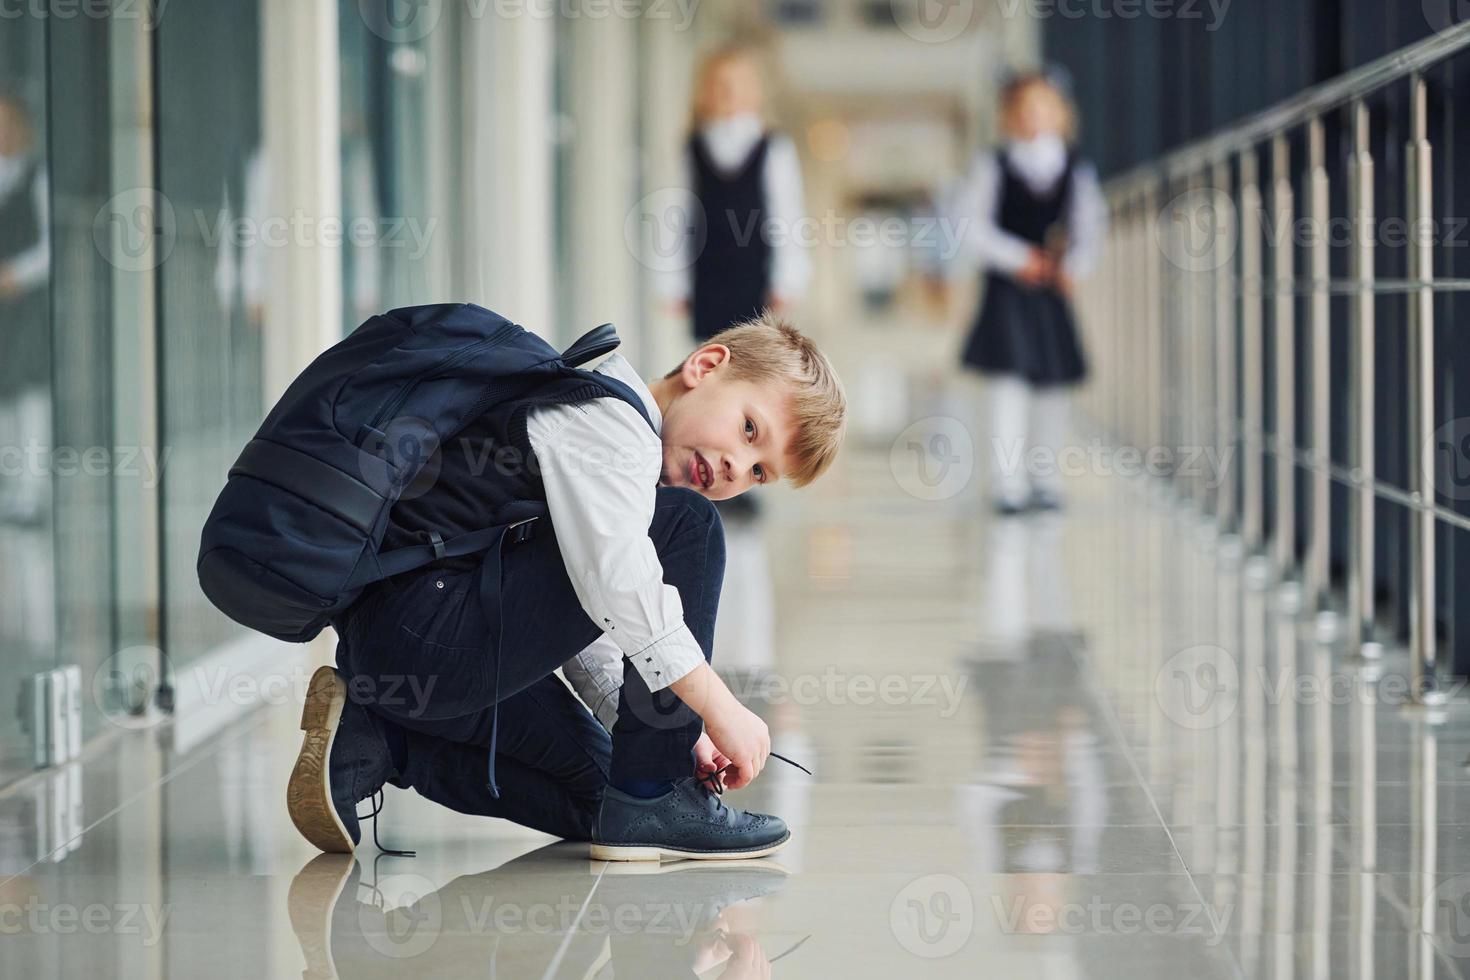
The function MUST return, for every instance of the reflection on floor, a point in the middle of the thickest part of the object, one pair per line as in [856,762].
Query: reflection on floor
[1071,745]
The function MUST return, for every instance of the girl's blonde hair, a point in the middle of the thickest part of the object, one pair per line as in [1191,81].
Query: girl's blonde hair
[725,53]
[767,350]
[1017,86]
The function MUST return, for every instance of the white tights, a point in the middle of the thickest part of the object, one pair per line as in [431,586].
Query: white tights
[1023,417]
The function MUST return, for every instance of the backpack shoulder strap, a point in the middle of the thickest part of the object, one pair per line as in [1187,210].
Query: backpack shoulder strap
[592,344]
[627,394]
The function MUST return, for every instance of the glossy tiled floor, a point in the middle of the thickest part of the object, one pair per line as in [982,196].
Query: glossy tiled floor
[1064,746]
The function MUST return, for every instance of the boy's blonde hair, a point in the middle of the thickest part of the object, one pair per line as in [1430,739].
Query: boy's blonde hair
[767,349]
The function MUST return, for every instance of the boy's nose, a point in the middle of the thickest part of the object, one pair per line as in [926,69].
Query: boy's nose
[731,469]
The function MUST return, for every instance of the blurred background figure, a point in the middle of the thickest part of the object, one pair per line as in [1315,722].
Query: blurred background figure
[1035,218]
[25,265]
[27,594]
[739,254]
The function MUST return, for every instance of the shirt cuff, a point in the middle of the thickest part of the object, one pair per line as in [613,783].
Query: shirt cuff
[598,689]
[668,658]
[1008,254]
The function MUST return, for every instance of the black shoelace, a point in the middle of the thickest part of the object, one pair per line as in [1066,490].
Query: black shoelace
[715,784]
[377,804]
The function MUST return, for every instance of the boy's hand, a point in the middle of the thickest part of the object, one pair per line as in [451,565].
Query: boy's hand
[744,739]
[707,758]
[731,728]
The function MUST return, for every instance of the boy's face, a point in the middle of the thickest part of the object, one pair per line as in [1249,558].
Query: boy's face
[722,436]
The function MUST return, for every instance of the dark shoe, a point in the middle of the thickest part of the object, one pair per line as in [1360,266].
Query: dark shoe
[1006,507]
[689,821]
[343,760]
[1046,500]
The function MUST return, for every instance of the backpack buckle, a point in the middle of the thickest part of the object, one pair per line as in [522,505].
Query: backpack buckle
[521,531]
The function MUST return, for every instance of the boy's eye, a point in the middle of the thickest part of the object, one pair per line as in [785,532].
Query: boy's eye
[749,428]
[760,473]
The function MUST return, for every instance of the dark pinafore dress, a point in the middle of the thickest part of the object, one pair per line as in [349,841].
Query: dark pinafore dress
[25,329]
[1026,331]
[732,273]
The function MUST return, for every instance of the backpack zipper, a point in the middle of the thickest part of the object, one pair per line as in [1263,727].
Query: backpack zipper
[394,404]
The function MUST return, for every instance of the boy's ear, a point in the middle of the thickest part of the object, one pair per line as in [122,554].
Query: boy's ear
[703,362]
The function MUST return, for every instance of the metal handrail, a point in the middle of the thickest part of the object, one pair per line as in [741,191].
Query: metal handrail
[1174,322]
[1297,110]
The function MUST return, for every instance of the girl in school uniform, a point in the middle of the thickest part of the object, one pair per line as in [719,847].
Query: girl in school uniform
[740,253]
[1034,216]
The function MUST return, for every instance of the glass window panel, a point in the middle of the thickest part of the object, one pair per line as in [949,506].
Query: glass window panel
[214,176]
[27,546]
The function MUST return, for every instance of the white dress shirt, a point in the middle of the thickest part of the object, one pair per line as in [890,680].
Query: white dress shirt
[729,143]
[601,464]
[975,205]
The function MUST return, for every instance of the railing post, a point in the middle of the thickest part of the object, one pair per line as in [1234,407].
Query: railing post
[1201,333]
[1361,415]
[1154,375]
[1179,326]
[1170,338]
[1315,573]
[1283,281]
[1421,398]
[1252,295]
[1224,243]
[1137,322]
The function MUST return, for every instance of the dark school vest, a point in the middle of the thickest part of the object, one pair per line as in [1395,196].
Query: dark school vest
[1026,213]
[489,467]
[20,225]
[732,273]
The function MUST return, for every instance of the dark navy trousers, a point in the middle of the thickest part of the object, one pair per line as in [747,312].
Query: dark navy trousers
[436,674]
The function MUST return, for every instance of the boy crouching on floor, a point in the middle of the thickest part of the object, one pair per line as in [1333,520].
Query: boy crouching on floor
[620,588]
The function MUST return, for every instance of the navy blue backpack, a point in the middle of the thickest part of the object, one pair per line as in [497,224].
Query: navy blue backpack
[295,535]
